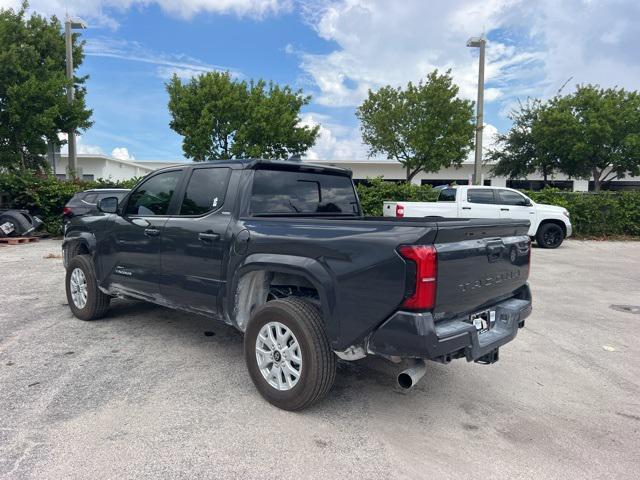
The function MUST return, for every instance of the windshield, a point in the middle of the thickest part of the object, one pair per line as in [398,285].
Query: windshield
[301,193]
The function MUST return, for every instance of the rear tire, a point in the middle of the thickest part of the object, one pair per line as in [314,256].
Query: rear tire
[85,299]
[304,381]
[19,222]
[549,235]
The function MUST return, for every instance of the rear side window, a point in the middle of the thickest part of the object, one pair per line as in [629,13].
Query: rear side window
[90,198]
[154,195]
[480,195]
[508,197]
[205,191]
[447,195]
[286,192]
[76,200]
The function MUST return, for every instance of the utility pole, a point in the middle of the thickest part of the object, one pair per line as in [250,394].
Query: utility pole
[69,25]
[479,42]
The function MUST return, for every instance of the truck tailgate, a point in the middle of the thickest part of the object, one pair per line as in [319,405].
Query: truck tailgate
[479,262]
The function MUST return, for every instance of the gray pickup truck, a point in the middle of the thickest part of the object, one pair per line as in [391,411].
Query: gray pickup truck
[282,251]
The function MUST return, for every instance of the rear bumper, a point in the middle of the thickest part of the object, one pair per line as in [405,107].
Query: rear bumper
[417,335]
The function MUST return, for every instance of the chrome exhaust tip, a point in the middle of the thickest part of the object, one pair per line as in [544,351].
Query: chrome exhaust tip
[412,375]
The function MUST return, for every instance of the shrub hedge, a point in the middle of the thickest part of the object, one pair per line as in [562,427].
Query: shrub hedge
[592,214]
[45,196]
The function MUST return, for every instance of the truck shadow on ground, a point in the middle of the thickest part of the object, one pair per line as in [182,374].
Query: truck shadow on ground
[366,378]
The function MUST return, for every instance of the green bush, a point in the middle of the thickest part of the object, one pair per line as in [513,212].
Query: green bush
[45,196]
[592,214]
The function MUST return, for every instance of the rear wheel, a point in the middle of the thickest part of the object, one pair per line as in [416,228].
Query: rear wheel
[288,354]
[550,235]
[85,299]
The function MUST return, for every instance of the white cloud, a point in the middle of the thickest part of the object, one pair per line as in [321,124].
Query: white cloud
[122,153]
[81,147]
[100,12]
[167,63]
[534,47]
[334,142]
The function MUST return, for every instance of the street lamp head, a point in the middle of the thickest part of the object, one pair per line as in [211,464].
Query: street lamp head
[76,23]
[476,42]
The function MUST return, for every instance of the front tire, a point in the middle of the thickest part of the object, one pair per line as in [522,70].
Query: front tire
[288,354]
[549,235]
[85,299]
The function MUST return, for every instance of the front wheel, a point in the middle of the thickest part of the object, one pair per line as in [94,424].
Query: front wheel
[550,235]
[85,299]
[288,354]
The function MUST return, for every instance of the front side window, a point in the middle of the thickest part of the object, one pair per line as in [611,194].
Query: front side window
[292,192]
[507,197]
[154,196]
[480,195]
[205,191]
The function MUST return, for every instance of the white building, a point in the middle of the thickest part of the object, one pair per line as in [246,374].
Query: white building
[92,167]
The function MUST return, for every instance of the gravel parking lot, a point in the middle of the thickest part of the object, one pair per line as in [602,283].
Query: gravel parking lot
[152,392]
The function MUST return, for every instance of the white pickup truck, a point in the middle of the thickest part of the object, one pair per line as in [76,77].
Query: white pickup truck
[550,225]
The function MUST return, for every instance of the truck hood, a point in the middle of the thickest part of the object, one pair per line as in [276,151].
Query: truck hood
[552,209]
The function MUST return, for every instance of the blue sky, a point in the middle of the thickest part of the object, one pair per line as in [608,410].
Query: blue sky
[336,51]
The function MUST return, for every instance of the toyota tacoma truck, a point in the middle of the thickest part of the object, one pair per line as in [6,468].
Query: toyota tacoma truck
[282,252]
[550,224]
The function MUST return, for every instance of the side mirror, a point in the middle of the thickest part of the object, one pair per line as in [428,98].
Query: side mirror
[527,203]
[108,205]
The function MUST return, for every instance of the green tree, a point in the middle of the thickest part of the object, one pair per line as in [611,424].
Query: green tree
[425,127]
[33,86]
[521,151]
[222,118]
[594,132]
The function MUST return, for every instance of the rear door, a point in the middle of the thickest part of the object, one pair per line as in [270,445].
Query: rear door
[478,203]
[515,205]
[195,241]
[133,262]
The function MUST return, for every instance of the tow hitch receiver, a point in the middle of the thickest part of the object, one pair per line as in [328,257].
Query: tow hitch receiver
[489,358]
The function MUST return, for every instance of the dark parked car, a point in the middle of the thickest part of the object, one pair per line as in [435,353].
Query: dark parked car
[85,203]
[281,251]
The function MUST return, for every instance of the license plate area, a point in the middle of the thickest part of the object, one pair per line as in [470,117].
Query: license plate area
[483,321]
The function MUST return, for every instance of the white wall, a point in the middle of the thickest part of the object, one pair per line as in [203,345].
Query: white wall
[101,166]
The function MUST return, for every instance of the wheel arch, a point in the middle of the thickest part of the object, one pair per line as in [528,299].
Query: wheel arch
[78,243]
[555,221]
[250,285]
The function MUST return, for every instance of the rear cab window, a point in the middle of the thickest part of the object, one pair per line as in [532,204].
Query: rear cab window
[480,195]
[205,191]
[447,195]
[285,192]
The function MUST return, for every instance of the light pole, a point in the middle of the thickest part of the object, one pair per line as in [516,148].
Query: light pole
[479,42]
[71,24]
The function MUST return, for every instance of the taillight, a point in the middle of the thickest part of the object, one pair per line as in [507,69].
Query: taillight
[399,210]
[66,211]
[425,258]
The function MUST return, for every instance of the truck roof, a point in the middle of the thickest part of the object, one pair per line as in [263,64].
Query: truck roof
[257,163]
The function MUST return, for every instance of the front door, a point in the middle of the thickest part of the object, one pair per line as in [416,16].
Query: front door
[515,205]
[133,267]
[195,242]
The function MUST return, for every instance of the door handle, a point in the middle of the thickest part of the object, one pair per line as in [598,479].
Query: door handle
[504,209]
[208,236]
[466,208]
[151,232]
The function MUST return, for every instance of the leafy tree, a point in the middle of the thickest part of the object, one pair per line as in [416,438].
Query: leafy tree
[222,118]
[425,126]
[33,86]
[594,132]
[521,152]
